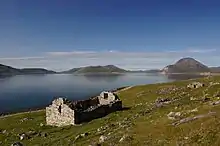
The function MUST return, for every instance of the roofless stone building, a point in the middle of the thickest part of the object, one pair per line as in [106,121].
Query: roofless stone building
[63,112]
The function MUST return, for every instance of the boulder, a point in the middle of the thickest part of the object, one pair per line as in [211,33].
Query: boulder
[193,110]
[3,131]
[23,136]
[173,115]
[84,134]
[102,139]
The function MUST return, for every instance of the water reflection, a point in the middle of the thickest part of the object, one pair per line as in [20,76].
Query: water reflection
[103,77]
[33,91]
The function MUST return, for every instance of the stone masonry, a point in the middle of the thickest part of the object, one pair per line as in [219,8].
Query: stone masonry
[63,112]
[195,85]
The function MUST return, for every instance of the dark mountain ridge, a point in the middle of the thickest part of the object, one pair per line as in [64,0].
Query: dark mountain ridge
[9,71]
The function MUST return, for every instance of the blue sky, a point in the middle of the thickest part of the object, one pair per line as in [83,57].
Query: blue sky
[133,34]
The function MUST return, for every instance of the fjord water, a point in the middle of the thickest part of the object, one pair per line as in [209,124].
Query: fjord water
[22,93]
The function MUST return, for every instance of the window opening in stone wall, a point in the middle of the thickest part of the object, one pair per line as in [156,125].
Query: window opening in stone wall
[59,109]
[105,95]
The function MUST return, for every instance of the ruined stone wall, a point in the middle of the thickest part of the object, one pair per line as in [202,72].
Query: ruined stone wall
[59,114]
[104,101]
[63,112]
[85,104]
[115,106]
[97,112]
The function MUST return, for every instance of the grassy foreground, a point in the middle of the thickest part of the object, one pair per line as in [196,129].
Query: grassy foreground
[142,123]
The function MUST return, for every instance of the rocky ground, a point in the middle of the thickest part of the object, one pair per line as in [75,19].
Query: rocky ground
[160,114]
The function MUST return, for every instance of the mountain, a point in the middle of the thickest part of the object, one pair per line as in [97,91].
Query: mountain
[9,71]
[186,65]
[96,69]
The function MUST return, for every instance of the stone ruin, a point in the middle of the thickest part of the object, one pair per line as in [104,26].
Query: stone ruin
[195,85]
[63,112]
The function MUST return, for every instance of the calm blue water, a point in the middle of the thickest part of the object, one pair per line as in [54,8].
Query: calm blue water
[19,93]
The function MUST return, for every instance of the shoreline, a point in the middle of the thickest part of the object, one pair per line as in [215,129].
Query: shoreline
[117,90]
[7,114]
[20,113]
[201,74]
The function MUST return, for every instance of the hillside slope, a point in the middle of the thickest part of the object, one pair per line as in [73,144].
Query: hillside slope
[159,114]
[9,71]
[96,69]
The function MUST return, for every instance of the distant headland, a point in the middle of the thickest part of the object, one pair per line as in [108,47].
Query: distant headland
[182,66]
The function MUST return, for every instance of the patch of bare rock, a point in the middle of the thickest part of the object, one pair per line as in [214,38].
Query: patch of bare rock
[168,90]
[162,101]
[25,119]
[102,138]
[81,136]
[189,119]
[125,138]
[173,115]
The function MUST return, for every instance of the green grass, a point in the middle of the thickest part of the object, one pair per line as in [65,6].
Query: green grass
[140,125]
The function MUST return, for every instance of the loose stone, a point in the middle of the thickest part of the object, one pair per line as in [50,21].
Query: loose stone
[102,139]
